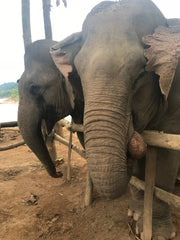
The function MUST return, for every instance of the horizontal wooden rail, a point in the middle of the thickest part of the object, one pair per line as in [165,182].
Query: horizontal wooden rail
[71,127]
[74,147]
[152,138]
[167,197]
[161,139]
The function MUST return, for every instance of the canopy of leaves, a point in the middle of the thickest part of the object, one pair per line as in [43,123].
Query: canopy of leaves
[9,90]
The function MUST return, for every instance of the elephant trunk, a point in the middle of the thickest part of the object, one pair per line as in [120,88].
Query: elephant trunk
[30,127]
[106,122]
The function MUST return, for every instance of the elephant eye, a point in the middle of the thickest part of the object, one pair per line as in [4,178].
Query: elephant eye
[34,89]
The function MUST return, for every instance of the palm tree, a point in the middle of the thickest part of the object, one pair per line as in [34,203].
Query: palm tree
[47,20]
[26,26]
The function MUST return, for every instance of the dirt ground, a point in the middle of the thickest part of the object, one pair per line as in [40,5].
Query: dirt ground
[34,206]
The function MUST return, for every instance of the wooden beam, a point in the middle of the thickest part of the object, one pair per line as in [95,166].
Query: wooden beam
[74,147]
[71,127]
[161,139]
[152,138]
[167,197]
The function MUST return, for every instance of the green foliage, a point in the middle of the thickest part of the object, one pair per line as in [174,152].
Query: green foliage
[9,90]
[14,94]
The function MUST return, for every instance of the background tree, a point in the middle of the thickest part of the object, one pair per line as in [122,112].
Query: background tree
[26,25]
[47,19]
[46,15]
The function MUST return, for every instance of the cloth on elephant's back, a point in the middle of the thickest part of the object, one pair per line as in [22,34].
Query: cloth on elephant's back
[163,55]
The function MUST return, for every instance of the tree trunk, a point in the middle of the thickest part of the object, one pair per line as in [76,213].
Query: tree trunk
[26,26]
[47,20]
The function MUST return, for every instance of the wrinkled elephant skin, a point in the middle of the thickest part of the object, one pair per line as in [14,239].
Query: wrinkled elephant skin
[122,97]
[46,94]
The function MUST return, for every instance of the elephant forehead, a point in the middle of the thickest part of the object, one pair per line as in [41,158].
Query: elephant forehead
[142,16]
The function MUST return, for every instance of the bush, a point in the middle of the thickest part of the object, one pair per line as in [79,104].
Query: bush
[14,94]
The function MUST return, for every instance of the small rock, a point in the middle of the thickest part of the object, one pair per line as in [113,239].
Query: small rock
[32,200]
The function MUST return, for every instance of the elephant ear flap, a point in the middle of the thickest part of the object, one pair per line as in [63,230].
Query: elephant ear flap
[162,51]
[64,52]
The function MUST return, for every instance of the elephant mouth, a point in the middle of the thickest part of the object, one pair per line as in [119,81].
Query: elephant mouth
[137,147]
[136,150]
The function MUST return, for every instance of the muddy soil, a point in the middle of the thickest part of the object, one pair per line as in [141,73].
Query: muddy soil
[34,206]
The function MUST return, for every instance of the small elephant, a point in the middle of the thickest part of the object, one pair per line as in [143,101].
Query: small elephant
[129,84]
[45,94]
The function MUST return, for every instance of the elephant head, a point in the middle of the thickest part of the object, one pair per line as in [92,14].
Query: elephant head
[45,94]
[120,95]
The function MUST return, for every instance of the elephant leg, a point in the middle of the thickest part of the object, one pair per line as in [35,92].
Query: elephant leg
[88,191]
[178,175]
[167,168]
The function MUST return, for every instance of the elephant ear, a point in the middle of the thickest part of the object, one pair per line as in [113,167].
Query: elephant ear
[63,54]
[163,52]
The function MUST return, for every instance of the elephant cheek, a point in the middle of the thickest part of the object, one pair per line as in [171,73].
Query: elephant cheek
[137,147]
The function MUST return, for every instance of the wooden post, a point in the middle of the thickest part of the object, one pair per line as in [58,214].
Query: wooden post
[150,174]
[88,191]
[69,157]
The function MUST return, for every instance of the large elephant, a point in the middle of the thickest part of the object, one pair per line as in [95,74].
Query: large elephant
[125,92]
[121,95]
[46,95]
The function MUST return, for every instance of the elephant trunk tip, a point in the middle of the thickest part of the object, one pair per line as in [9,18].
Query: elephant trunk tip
[57,175]
[51,169]
[110,188]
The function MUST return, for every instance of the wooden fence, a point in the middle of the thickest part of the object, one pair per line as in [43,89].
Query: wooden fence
[153,139]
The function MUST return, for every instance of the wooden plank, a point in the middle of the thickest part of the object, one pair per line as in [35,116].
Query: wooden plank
[150,174]
[160,139]
[171,199]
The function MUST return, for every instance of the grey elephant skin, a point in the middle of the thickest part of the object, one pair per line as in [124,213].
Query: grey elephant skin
[120,97]
[46,95]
